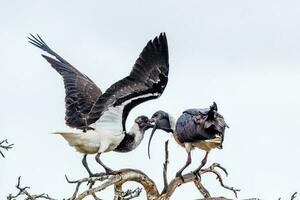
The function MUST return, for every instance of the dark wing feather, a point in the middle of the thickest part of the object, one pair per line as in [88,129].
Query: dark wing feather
[147,80]
[81,91]
[196,124]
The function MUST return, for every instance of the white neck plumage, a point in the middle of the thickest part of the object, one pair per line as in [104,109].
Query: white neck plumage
[131,140]
[137,133]
[172,122]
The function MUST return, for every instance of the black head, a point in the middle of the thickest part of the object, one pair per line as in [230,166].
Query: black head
[161,121]
[143,122]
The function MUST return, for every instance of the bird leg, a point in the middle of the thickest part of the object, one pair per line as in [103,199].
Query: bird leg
[91,182]
[107,169]
[188,162]
[86,165]
[203,162]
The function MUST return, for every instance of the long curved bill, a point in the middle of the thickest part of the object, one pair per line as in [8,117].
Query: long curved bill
[152,133]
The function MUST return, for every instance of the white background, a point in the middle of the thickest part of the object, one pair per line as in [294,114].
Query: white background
[242,54]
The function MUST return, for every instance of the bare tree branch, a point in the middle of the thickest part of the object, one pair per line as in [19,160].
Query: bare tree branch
[23,192]
[294,196]
[127,195]
[219,177]
[6,146]
[165,167]
[190,177]
[94,185]
[118,192]
[131,194]
[90,180]
[126,175]
[118,180]
[201,188]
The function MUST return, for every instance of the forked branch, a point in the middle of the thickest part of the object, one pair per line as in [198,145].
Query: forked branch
[23,191]
[94,185]
[126,175]
[6,146]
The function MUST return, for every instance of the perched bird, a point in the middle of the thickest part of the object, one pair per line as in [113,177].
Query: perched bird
[97,120]
[200,128]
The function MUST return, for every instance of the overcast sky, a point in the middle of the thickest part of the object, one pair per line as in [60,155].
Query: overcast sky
[242,54]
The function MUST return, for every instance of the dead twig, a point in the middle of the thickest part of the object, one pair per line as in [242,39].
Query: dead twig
[92,180]
[126,175]
[101,181]
[165,167]
[212,169]
[294,195]
[131,194]
[127,195]
[6,146]
[23,191]
[169,189]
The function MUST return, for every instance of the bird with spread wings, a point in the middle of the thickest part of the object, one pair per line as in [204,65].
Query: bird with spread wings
[97,120]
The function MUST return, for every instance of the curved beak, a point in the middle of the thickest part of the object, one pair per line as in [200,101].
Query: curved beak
[149,123]
[155,126]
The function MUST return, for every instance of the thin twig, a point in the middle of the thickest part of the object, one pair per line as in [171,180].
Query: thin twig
[190,177]
[92,180]
[165,167]
[131,194]
[6,146]
[219,177]
[110,181]
[294,195]
[23,191]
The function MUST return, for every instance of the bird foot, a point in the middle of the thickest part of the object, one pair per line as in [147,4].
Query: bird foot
[91,182]
[179,175]
[197,174]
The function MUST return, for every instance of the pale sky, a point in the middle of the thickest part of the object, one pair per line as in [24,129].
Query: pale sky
[242,54]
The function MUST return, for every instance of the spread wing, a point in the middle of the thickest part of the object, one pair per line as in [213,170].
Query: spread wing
[147,80]
[81,91]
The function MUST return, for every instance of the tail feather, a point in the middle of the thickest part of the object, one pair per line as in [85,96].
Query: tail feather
[82,142]
[72,138]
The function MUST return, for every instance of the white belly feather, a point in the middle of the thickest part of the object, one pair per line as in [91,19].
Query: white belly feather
[92,141]
[107,135]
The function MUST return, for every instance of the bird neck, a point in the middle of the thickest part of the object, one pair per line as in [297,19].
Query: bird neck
[137,134]
[173,127]
[131,139]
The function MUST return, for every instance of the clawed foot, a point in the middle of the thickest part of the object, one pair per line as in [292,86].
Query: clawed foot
[91,182]
[178,174]
[108,171]
[197,174]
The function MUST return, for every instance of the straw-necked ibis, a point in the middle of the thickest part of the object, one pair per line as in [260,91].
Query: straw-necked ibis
[200,128]
[98,120]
